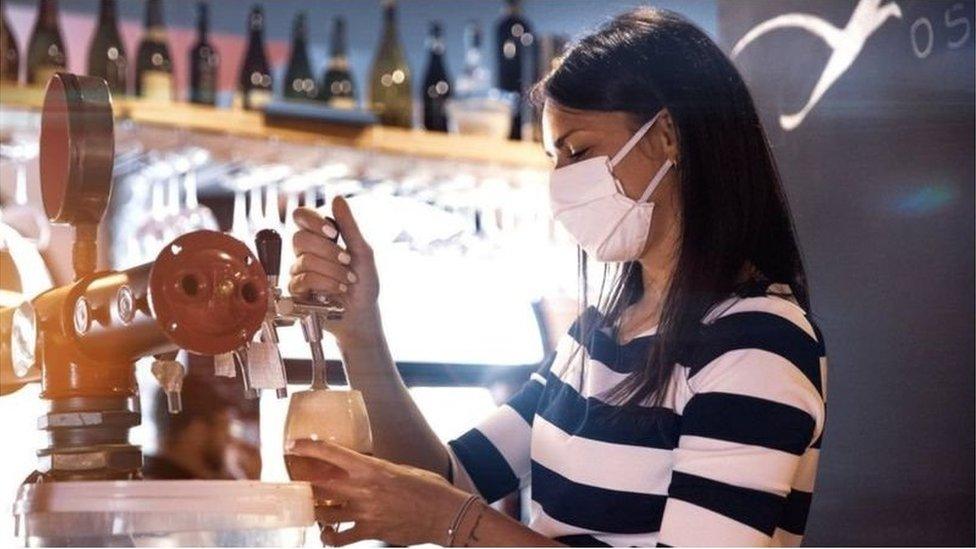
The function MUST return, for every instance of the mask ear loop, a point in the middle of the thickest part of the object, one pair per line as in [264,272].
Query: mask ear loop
[632,142]
[656,180]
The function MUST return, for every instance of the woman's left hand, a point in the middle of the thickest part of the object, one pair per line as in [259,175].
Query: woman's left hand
[398,504]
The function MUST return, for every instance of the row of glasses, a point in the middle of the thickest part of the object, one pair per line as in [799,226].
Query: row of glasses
[431,207]
[192,216]
[19,145]
[164,202]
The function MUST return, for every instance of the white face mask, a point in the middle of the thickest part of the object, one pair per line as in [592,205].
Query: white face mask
[590,203]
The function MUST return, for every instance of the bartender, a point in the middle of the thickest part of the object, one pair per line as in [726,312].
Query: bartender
[685,407]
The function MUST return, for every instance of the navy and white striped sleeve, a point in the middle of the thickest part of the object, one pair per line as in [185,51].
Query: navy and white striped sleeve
[757,407]
[493,458]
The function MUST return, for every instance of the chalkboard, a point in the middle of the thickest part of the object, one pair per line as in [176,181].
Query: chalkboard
[869,107]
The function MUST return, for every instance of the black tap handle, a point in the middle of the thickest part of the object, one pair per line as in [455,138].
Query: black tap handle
[268,244]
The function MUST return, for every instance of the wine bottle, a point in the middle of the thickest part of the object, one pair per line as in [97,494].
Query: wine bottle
[474,80]
[255,77]
[9,55]
[515,56]
[106,54]
[437,87]
[45,51]
[154,66]
[299,82]
[338,89]
[390,87]
[204,62]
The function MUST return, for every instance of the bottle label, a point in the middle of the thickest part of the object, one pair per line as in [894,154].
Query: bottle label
[342,103]
[157,86]
[258,98]
[44,73]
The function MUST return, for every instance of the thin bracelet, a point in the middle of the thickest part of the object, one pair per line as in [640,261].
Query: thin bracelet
[452,530]
[474,528]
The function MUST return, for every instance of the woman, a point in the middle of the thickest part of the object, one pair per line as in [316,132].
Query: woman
[687,406]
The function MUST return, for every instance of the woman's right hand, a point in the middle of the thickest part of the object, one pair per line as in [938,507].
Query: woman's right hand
[347,273]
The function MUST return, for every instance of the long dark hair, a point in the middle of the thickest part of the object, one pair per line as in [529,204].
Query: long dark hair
[734,215]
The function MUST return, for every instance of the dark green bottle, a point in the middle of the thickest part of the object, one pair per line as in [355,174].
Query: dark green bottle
[154,66]
[9,55]
[390,87]
[437,84]
[299,82]
[106,54]
[255,77]
[45,51]
[204,62]
[338,88]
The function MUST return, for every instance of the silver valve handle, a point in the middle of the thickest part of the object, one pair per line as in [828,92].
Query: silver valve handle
[312,329]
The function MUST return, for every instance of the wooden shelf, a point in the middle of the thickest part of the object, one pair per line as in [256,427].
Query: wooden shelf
[252,124]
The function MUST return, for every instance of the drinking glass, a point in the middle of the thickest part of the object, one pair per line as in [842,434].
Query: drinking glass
[151,234]
[255,210]
[323,414]
[197,216]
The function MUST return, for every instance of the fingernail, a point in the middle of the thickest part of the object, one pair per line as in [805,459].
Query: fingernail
[329,231]
[343,288]
[345,258]
[351,276]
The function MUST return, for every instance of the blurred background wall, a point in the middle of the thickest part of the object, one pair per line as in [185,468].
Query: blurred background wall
[880,177]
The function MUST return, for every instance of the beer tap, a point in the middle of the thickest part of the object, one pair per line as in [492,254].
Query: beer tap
[203,293]
[349,423]
[308,312]
[263,356]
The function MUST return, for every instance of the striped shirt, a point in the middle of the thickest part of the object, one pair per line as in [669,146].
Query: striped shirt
[729,459]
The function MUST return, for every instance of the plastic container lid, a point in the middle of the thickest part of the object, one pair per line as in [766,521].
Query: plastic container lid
[159,506]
